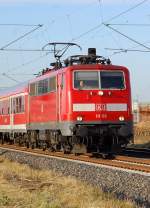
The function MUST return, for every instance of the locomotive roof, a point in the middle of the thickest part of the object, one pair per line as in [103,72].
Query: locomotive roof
[42,76]
[52,72]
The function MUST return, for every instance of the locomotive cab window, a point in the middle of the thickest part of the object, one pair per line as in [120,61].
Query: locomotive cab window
[112,80]
[86,80]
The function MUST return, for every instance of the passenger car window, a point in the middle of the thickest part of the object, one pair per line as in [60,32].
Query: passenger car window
[19,104]
[4,107]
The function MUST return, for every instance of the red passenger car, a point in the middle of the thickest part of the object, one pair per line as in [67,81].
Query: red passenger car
[82,106]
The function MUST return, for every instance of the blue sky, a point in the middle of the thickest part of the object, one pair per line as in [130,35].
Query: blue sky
[66,20]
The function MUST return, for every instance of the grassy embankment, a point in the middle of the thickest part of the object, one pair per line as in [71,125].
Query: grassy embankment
[23,187]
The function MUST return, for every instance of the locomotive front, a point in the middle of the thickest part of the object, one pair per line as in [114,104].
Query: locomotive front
[100,103]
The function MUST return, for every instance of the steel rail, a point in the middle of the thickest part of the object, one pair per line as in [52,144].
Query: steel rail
[84,158]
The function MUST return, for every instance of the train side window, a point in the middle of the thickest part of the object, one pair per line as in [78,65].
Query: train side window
[52,84]
[14,105]
[1,108]
[42,86]
[63,81]
[33,89]
[8,110]
[1,105]
[18,104]
[22,104]
[4,107]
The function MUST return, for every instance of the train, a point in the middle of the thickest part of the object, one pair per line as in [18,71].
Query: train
[80,105]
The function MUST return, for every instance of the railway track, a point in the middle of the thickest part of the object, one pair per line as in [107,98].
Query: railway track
[124,162]
[137,152]
[142,150]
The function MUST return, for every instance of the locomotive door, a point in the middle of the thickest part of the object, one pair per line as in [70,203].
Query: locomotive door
[60,96]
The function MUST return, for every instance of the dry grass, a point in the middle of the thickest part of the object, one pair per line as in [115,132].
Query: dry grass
[23,187]
[142,140]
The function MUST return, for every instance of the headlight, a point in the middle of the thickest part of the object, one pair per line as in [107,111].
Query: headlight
[79,118]
[100,93]
[121,118]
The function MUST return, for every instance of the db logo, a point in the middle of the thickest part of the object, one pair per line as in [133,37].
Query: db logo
[100,107]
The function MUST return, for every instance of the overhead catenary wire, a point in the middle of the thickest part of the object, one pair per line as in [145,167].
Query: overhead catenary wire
[110,19]
[21,37]
[131,24]
[9,77]
[126,50]
[131,48]
[72,13]
[59,18]
[126,11]
[24,64]
[28,62]
[101,9]
[131,39]
[14,74]
[96,27]
[34,60]
[20,25]
[25,50]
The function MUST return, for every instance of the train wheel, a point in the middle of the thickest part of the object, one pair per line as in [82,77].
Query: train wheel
[44,146]
[33,145]
[51,149]
[66,148]
[27,145]
[2,139]
[78,147]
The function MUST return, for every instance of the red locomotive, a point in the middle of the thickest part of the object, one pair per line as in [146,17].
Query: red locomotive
[82,106]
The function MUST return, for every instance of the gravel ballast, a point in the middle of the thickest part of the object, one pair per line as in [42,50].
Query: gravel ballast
[125,184]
